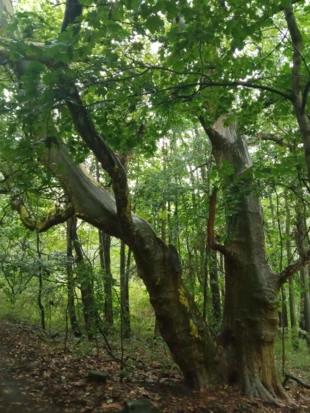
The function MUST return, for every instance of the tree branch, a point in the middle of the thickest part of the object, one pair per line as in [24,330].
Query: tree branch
[297,56]
[98,207]
[109,161]
[272,138]
[247,85]
[41,225]
[73,10]
[291,269]
[212,209]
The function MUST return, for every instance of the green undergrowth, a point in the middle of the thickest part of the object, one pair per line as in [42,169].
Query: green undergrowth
[296,357]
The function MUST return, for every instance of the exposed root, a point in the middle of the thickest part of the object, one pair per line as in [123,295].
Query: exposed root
[291,377]
[254,388]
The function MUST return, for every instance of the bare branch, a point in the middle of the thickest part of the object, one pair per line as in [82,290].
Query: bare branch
[291,269]
[272,138]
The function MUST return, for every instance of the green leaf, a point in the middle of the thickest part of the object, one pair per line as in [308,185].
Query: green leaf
[154,23]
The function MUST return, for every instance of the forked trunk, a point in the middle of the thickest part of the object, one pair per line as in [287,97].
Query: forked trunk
[250,312]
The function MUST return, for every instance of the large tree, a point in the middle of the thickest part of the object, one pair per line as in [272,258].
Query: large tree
[45,81]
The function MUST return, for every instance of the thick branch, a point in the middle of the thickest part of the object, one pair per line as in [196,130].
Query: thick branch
[291,269]
[212,209]
[91,202]
[42,225]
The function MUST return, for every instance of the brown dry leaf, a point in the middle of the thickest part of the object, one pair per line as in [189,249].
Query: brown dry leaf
[107,406]
[79,383]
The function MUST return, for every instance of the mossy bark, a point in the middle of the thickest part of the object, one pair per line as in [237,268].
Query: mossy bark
[180,323]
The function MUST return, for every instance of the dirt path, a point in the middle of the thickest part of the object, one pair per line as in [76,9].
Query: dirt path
[18,395]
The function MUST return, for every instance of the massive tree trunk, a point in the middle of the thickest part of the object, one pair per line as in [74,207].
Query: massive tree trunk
[251,297]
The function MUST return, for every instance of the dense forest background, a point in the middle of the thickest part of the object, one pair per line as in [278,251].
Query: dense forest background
[155,164]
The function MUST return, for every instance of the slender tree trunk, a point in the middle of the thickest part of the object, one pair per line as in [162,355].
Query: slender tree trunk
[299,91]
[126,287]
[205,283]
[40,291]
[84,272]
[302,242]
[105,262]
[305,301]
[222,270]
[291,280]
[124,293]
[283,314]
[70,283]
[215,290]
[163,224]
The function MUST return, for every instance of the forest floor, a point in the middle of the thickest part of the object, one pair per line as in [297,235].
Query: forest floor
[42,375]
